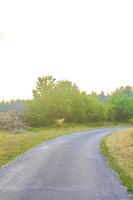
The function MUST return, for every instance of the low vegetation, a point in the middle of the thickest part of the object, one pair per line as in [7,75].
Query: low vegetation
[118,149]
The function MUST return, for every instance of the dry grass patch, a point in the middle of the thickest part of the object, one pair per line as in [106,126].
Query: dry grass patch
[118,148]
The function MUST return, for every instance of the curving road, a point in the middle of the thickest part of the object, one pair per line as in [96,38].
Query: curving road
[66,168]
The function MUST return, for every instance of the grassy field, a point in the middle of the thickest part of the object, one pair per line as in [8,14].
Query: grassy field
[118,149]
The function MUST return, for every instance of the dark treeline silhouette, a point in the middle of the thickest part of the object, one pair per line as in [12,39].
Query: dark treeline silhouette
[54,100]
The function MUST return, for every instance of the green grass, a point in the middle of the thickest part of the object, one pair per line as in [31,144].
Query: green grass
[118,149]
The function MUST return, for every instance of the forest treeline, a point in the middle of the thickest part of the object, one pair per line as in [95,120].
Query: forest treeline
[18,105]
[53,100]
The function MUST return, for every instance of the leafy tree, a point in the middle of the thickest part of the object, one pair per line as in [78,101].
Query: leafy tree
[38,109]
[120,104]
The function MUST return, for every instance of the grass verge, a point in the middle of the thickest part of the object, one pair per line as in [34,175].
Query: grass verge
[118,149]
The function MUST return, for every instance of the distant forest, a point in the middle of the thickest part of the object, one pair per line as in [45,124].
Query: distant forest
[18,105]
[53,100]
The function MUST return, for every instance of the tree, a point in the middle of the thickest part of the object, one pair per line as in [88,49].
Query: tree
[38,109]
[120,104]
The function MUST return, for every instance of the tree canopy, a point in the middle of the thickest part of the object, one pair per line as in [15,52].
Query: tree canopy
[54,100]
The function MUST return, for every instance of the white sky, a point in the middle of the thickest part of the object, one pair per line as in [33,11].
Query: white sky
[89,42]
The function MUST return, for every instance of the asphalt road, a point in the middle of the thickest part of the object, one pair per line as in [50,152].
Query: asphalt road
[66,168]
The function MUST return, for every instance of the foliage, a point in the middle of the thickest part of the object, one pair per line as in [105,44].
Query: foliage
[120,104]
[53,100]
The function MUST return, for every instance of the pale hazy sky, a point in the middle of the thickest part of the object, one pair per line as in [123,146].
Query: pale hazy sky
[89,42]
